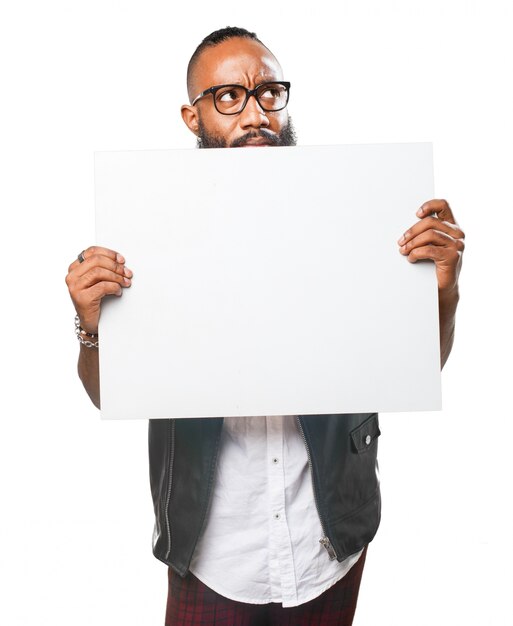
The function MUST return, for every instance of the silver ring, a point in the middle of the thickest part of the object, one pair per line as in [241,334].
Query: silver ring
[81,257]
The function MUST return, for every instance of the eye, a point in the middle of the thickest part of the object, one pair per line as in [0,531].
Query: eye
[228,95]
[271,92]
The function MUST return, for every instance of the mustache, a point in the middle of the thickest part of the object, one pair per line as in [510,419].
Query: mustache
[271,138]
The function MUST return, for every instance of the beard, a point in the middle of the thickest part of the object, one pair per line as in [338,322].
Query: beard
[286,137]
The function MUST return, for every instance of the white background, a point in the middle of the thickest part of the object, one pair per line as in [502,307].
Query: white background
[76,520]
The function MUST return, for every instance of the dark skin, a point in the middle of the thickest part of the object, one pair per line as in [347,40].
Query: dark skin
[436,236]
[236,61]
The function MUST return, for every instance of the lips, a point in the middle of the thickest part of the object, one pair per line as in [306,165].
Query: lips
[256,143]
[252,139]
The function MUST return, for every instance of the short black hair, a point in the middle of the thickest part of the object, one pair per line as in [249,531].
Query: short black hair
[215,38]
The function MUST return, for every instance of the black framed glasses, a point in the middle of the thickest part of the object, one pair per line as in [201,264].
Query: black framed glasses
[231,99]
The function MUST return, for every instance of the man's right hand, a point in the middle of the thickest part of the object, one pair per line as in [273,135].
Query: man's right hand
[102,273]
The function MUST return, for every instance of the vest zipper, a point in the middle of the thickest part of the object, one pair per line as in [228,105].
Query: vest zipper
[170,484]
[324,541]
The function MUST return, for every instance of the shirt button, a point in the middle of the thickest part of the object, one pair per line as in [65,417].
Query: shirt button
[276,461]
[276,516]
[367,440]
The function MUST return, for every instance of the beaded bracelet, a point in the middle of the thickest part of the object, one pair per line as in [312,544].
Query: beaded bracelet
[84,337]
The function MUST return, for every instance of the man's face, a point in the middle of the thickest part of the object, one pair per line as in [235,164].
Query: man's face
[244,62]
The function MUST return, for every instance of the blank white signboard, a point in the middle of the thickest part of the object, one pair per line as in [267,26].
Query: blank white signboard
[267,282]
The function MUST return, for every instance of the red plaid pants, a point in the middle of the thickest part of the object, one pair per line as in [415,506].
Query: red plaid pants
[191,603]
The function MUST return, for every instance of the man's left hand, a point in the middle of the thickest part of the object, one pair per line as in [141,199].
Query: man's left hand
[438,237]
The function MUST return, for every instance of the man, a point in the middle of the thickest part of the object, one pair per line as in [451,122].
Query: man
[262,520]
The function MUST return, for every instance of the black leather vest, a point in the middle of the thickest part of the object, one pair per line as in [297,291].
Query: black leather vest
[342,453]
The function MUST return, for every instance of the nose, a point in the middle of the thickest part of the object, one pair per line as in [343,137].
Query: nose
[253,116]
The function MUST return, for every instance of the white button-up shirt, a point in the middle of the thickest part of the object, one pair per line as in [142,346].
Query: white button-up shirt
[261,540]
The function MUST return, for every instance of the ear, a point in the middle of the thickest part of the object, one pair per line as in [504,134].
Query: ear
[190,117]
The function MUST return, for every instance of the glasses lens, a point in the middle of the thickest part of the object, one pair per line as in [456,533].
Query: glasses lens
[272,96]
[230,99]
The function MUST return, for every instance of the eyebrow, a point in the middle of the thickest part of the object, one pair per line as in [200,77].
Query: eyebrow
[262,79]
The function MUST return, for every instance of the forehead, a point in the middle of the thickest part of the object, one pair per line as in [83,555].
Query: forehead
[238,60]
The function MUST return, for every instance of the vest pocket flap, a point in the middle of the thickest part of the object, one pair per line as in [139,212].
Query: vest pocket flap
[365,434]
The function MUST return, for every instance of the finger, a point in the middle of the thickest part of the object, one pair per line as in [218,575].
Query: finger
[87,302]
[99,274]
[440,207]
[431,223]
[101,261]
[105,288]
[92,250]
[432,237]
[439,254]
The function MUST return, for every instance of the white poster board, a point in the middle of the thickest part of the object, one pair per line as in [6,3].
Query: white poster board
[267,282]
